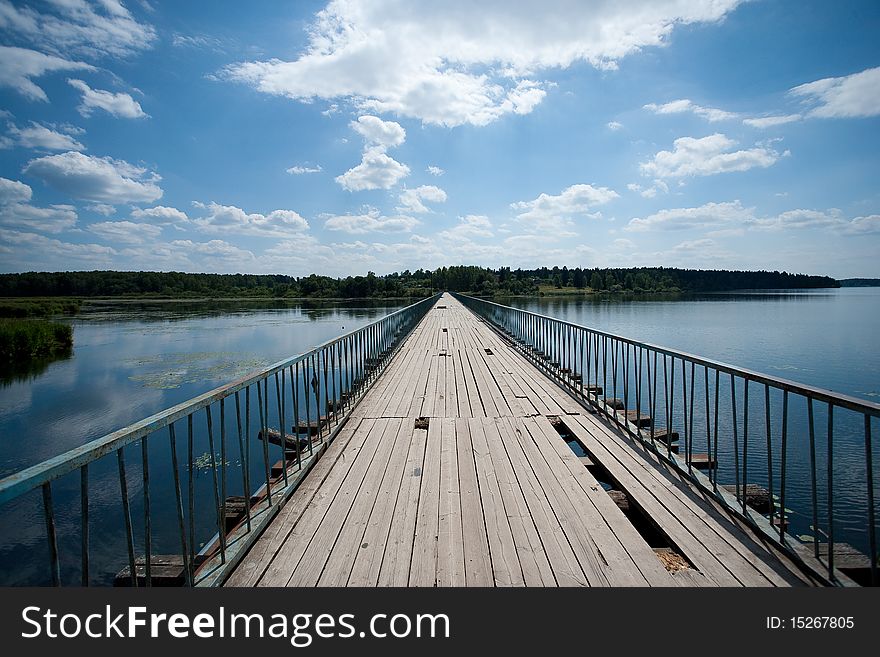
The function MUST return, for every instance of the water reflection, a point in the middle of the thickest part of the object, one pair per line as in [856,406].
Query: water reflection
[26,371]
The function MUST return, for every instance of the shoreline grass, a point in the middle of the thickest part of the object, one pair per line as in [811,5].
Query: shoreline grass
[27,339]
[23,307]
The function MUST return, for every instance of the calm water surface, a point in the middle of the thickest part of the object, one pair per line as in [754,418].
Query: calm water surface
[827,338]
[132,360]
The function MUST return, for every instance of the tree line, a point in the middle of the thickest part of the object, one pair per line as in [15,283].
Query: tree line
[503,281]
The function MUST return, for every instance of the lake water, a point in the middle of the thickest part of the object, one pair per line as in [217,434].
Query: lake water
[132,360]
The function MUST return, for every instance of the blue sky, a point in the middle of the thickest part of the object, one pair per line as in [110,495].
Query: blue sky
[280,137]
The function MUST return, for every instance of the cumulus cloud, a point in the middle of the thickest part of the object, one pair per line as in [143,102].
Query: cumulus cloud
[55,254]
[649,192]
[711,114]
[377,132]
[215,251]
[549,212]
[102,208]
[101,179]
[17,212]
[411,199]
[371,221]
[707,156]
[21,64]
[710,215]
[377,170]
[794,219]
[14,191]
[82,27]
[118,104]
[614,126]
[39,136]
[456,63]
[228,218]
[298,170]
[863,225]
[435,171]
[126,232]
[850,96]
[469,227]
[159,215]
[731,218]
[772,121]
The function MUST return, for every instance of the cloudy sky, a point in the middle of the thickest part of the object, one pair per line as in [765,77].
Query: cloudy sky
[299,137]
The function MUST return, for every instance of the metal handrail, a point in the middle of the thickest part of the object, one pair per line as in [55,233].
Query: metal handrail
[314,394]
[658,382]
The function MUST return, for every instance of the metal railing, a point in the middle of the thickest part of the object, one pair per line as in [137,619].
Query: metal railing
[168,512]
[795,461]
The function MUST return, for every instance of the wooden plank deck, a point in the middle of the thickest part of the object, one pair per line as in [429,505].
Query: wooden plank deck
[490,494]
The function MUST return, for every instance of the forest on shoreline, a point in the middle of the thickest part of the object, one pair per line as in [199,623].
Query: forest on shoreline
[467,279]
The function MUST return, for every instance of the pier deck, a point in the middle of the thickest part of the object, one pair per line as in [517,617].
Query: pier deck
[490,493]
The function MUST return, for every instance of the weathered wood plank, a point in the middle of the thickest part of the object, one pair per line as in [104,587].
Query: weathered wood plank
[395,567]
[368,560]
[423,570]
[347,546]
[450,538]
[532,557]
[505,562]
[477,559]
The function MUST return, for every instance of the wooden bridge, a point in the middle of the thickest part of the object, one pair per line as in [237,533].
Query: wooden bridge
[455,470]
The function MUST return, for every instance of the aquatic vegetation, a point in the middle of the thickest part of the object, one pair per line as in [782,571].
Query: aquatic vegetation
[169,371]
[21,308]
[22,340]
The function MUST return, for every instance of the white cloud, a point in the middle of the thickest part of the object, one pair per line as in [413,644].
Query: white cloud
[54,254]
[159,215]
[39,136]
[21,64]
[707,156]
[231,219]
[17,212]
[772,121]
[731,218]
[14,191]
[377,170]
[100,179]
[370,222]
[126,232]
[623,244]
[101,208]
[411,199]
[377,132]
[298,170]
[118,104]
[100,28]
[469,227]
[614,126]
[863,225]
[555,212]
[856,95]
[435,171]
[215,252]
[710,215]
[458,62]
[649,192]
[711,114]
[795,219]
[54,219]
[199,41]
